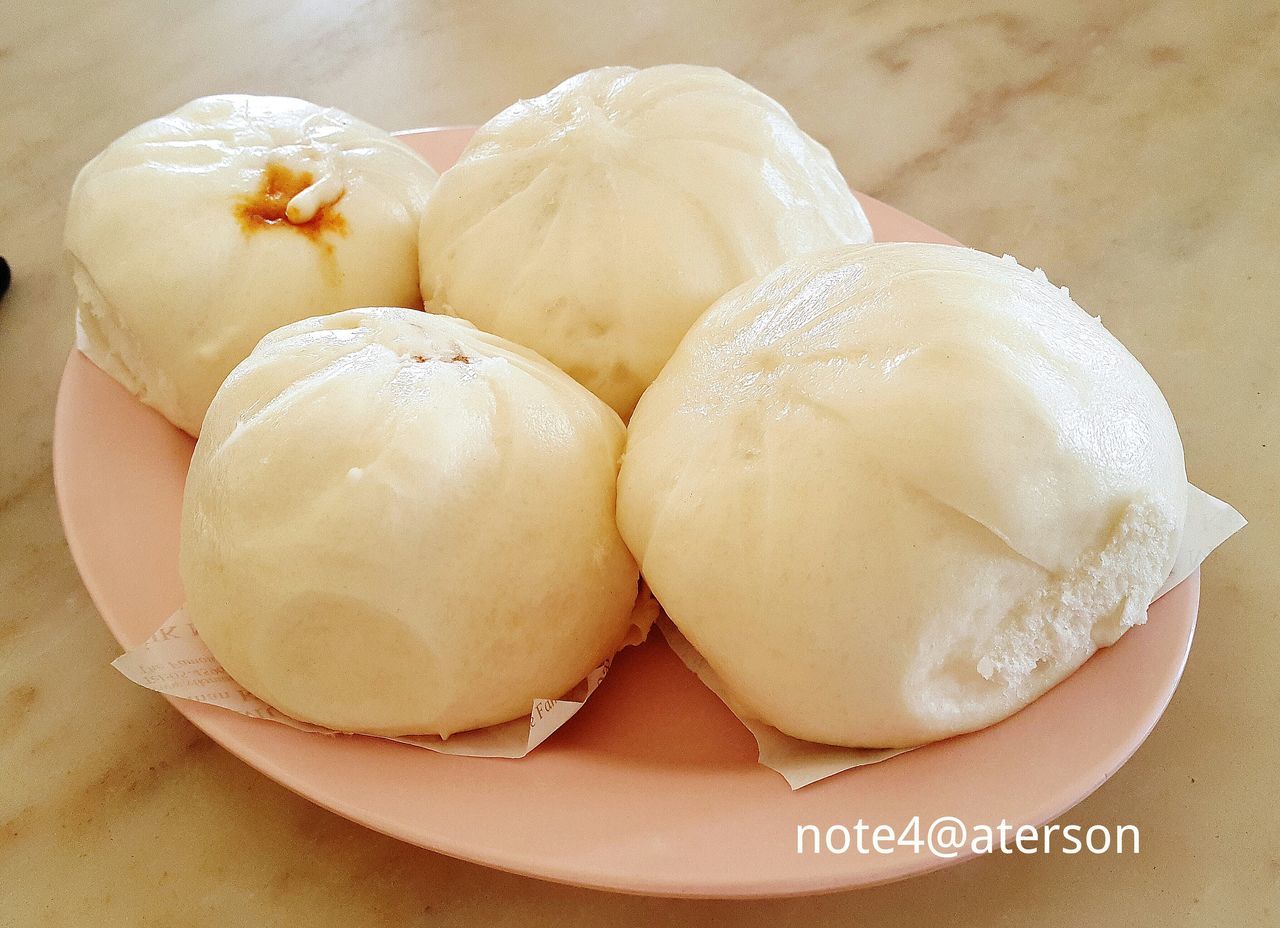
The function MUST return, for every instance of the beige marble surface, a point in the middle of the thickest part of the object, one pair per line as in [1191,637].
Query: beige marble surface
[1132,149]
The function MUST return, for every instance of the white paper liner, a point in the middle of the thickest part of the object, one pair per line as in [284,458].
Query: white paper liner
[174,661]
[1210,522]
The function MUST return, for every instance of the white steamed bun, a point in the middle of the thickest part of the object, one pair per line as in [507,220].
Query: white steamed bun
[395,524]
[194,235]
[595,223]
[896,492]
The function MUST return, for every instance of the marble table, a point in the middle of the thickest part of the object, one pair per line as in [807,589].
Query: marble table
[1129,149]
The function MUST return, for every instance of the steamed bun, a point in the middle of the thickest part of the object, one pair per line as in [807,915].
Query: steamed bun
[194,235]
[596,222]
[397,524]
[896,492]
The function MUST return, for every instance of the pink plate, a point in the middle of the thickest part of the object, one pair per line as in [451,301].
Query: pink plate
[654,787]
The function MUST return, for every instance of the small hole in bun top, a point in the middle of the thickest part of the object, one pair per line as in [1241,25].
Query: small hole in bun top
[456,359]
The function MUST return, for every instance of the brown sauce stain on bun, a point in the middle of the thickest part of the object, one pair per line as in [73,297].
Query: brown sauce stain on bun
[264,210]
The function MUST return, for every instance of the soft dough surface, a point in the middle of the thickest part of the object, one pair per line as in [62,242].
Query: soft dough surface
[596,222]
[194,235]
[397,524]
[896,492]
